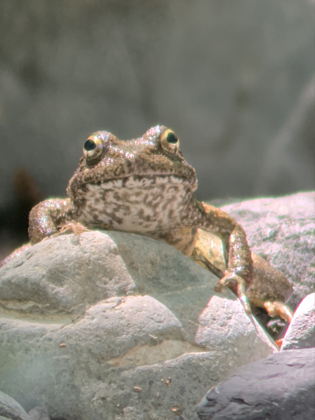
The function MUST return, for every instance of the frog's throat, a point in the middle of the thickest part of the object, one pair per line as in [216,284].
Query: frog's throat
[138,204]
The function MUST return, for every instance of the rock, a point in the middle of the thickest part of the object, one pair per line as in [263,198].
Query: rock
[98,324]
[38,413]
[301,331]
[11,409]
[280,387]
[282,230]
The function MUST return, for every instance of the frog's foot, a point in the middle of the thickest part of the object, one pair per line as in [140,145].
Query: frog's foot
[228,279]
[238,285]
[278,308]
[75,227]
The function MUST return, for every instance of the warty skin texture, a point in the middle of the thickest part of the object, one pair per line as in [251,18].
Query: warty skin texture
[145,186]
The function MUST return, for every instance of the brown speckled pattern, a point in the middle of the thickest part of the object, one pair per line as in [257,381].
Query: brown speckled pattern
[143,186]
[47,216]
[136,207]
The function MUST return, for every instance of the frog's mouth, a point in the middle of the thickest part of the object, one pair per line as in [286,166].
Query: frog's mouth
[142,181]
[158,181]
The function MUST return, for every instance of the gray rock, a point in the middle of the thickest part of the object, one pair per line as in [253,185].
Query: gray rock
[11,409]
[301,331]
[282,230]
[280,387]
[98,324]
[64,276]
[39,413]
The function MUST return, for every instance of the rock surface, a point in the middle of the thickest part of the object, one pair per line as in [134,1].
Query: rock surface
[280,387]
[118,324]
[11,409]
[282,230]
[121,324]
[39,413]
[301,331]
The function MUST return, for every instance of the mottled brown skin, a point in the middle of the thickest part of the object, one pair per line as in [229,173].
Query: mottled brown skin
[145,186]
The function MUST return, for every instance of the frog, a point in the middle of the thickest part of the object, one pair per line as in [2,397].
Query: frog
[145,186]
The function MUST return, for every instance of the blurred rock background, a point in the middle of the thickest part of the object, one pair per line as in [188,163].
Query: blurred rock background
[234,79]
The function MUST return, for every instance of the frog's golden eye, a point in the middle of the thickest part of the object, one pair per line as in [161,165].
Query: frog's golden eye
[169,140]
[92,148]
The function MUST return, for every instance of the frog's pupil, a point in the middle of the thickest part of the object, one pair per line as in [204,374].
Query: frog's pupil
[89,145]
[171,138]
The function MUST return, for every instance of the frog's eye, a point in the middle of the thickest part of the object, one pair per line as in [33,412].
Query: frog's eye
[169,140]
[92,148]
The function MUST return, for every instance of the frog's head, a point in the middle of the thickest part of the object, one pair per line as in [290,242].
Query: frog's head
[120,173]
[149,160]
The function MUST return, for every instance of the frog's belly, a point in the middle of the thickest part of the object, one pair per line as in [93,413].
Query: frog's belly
[151,208]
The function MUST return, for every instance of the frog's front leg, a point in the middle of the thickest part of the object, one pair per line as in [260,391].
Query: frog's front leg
[47,217]
[45,220]
[239,285]
[239,265]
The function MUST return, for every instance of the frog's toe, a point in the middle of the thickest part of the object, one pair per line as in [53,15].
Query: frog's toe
[238,285]
[229,279]
[278,308]
[75,227]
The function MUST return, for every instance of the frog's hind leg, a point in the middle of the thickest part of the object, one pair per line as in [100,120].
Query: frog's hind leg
[270,289]
[198,256]
[273,308]
[278,308]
